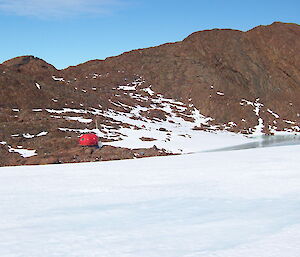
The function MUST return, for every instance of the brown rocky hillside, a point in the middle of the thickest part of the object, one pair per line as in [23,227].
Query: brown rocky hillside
[242,81]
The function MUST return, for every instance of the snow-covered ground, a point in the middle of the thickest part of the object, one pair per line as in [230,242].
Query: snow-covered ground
[138,117]
[219,204]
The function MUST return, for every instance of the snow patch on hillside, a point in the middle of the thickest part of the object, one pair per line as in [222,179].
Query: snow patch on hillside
[25,153]
[273,113]
[79,119]
[168,122]
[38,85]
[57,79]
[258,129]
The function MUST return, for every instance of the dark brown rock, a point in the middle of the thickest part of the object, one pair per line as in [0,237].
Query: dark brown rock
[217,71]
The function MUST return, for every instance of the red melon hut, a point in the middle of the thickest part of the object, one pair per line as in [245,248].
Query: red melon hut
[89,139]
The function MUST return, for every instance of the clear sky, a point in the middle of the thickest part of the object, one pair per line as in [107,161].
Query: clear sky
[69,32]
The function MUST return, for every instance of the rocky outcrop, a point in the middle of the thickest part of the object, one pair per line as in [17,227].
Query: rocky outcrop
[246,82]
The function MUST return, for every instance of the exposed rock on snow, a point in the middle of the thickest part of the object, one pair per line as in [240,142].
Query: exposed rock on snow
[218,81]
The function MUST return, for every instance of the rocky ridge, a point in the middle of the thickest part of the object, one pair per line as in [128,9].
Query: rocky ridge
[148,99]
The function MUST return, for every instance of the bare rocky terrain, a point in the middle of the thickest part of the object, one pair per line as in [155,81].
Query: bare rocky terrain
[221,79]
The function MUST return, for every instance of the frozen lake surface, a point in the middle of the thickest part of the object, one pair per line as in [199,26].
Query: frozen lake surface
[216,204]
[264,141]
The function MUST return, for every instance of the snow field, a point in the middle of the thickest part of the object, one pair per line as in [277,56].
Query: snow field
[236,203]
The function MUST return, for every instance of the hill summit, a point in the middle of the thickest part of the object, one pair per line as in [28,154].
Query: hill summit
[213,80]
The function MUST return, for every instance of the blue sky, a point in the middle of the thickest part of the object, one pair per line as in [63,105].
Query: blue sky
[69,32]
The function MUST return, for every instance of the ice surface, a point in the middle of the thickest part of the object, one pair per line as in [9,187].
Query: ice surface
[225,204]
